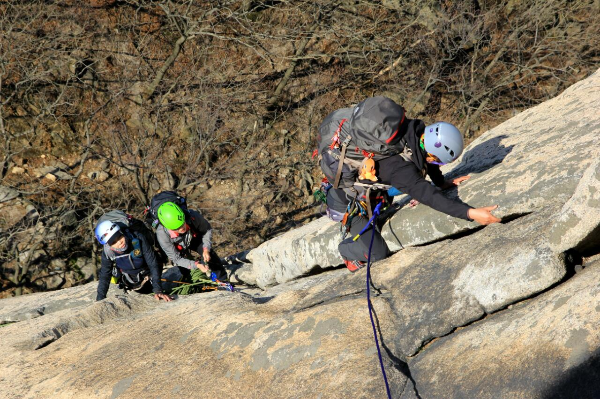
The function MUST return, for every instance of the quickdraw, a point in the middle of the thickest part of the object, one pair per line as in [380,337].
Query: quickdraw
[209,285]
[219,283]
[355,208]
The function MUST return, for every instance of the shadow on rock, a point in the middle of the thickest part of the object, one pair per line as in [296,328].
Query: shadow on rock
[482,157]
[581,382]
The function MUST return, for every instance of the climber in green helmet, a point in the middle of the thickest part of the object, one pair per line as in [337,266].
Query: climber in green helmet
[182,231]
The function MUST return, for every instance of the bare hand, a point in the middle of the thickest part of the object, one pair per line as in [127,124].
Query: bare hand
[483,215]
[164,297]
[459,180]
[206,255]
[202,267]
[413,203]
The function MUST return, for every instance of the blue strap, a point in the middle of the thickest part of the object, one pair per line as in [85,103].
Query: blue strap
[392,192]
[372,221]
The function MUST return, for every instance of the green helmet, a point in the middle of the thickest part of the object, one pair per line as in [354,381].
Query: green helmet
[171,216]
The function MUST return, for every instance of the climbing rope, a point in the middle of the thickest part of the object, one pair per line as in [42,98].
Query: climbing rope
[206,285]
[372,222]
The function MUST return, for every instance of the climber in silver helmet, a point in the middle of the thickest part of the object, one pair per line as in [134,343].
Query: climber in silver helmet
[129,258]
[425,149]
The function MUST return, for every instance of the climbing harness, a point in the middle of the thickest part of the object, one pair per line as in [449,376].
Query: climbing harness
[376,212]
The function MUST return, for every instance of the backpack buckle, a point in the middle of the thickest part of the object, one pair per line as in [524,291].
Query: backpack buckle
[347,141]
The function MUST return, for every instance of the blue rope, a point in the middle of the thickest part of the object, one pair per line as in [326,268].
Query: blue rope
[372,221]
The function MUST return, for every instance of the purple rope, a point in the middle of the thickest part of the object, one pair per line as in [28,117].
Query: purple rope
[387,386]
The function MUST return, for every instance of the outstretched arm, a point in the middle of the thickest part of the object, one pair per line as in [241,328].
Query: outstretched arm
[104,276]
[480,215]
[155,269]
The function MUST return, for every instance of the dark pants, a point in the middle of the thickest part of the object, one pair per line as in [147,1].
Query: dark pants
[359,249]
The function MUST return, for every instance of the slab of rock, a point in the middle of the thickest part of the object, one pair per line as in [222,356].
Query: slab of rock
[437,288]
[50,177]
[578,223]
[27,307]
[214,345]
[52,173]
[12,212]
[295,253]
[544,348]
[442,286]
[7,194]
[87,268]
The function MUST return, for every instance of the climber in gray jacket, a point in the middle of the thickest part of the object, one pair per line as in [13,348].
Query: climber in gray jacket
[181,232]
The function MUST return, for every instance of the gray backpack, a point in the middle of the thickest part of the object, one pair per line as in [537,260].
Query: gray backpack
[126,223]
[348,136]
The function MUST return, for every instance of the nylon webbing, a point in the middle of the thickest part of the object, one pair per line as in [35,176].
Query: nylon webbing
[338,174]
[368,200]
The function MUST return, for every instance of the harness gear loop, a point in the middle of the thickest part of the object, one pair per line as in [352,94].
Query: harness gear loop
[354,208]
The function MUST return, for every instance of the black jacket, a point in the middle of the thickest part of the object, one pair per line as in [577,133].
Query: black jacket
[409,177]
[150,263]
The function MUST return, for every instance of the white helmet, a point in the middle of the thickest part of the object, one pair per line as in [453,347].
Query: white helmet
[443,140]
[105,231]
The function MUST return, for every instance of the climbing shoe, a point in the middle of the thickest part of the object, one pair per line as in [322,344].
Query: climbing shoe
[354,265]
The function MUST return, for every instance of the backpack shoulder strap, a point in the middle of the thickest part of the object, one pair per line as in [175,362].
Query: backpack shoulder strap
[338,174]
[108,252]
[406,151]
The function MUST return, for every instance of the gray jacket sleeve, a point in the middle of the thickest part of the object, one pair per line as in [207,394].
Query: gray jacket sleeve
[202,226]
[207,240]
[173,254]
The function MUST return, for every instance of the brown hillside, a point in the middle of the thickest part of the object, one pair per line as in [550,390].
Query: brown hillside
[105,103]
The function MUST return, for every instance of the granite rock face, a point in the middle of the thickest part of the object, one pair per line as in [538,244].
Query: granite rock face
[7,194]
[576,226]
[452,283]
[545,348]
[296,253]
